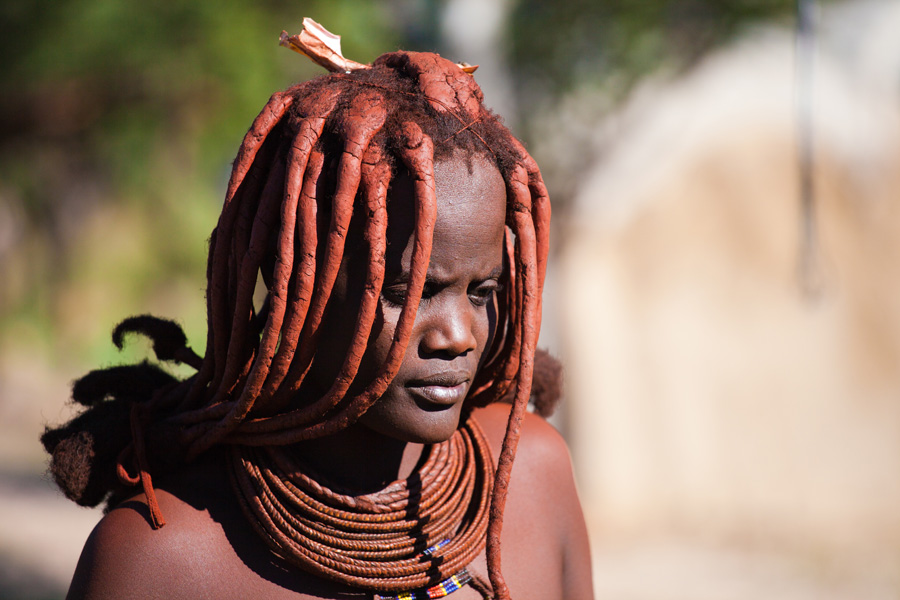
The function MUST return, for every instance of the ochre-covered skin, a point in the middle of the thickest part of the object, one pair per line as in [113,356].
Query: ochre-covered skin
[312,184]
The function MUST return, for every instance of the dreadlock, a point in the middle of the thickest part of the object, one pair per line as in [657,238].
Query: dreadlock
[356,129]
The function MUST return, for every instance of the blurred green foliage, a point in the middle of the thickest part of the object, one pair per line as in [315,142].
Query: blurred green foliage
[117,124]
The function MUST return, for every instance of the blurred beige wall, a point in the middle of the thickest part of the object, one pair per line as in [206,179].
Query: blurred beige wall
[715,402]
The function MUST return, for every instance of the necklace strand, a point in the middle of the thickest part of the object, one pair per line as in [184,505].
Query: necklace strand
[375,541]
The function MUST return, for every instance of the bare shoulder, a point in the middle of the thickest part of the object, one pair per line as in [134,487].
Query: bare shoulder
[543,520]
[542,471]
[124,557]
[207,548]
[541,447]
[197,554]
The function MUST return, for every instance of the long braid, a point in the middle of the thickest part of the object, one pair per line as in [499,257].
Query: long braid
[216,346]
[416,154]
[519,209]
[351,127]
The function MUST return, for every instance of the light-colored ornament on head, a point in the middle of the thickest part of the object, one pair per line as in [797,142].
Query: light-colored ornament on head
[324,48]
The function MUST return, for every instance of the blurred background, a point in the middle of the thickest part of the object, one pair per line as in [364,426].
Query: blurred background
[723,287]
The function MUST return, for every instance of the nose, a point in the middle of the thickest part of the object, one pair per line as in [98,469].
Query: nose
[450,328]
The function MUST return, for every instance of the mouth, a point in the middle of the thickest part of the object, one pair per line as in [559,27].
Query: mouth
[445,389]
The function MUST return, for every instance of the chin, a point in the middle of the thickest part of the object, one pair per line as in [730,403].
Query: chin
[417,425]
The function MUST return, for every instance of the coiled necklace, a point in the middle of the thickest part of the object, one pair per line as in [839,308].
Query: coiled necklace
[412,534]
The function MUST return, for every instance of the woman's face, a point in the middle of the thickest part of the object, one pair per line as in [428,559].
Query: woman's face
[455,319]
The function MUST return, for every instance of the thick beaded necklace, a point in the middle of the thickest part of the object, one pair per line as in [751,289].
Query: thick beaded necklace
[414,537]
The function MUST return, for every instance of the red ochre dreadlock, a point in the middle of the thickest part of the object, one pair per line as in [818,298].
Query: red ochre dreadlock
[357,128]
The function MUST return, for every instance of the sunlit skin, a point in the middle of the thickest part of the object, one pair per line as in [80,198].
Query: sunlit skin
[208,549]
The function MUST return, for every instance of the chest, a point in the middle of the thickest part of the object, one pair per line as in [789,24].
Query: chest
[229,559]
[241,566]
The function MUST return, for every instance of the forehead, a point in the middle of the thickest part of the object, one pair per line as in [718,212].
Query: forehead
[471,201]
[469,188]
[469,226]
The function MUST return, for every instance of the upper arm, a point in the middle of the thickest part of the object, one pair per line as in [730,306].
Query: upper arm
[544,497]
[544,451]
[116,561]
[124,557]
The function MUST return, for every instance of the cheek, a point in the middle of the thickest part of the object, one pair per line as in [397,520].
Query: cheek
[379,343]
[485,328]
[338,330]
[487,332]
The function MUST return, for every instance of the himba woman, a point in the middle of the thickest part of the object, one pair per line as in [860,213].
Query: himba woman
[352,433]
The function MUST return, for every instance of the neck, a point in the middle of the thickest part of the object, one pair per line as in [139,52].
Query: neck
[359,459]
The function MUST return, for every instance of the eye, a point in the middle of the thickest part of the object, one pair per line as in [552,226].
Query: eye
[395,295]
[482,293]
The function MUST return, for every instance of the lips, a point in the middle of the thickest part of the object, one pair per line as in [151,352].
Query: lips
[446,388]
